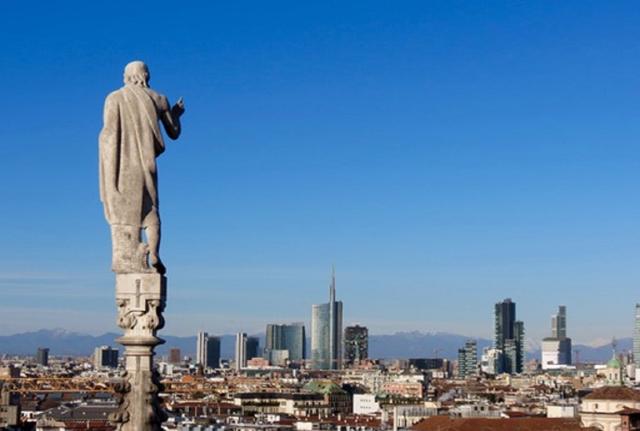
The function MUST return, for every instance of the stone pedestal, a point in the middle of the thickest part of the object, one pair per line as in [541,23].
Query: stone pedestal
[141,300]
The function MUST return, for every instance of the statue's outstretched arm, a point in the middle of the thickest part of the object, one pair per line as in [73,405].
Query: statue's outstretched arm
[171,118]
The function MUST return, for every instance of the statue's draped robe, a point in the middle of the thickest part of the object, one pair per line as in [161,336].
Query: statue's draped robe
[130,141]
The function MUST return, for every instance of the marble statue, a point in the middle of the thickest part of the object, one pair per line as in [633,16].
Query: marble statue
[130,141]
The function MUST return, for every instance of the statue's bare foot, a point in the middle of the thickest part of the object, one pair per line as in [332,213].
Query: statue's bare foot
[157,263]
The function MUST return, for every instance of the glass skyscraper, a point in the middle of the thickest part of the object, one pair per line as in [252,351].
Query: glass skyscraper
[505,316]
[326,332]
[559,323]
[509,337]
[212,359]
[290,337]
[253,347]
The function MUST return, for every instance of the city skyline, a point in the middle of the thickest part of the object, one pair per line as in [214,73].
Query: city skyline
[437,165]
[558,323]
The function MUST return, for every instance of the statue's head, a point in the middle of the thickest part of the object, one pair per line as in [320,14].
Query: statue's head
[136,73]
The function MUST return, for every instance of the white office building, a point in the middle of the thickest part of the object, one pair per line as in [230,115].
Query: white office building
[365,404]
[241,351]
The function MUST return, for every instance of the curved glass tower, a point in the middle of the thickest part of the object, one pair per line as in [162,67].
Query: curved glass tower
[326,332]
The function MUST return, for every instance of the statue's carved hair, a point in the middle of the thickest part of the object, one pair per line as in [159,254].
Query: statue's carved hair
[136,73]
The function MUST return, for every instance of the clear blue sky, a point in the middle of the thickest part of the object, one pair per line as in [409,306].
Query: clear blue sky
[444,155]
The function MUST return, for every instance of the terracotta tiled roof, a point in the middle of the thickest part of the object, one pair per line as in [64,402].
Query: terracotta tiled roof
[614,393]
[445,423]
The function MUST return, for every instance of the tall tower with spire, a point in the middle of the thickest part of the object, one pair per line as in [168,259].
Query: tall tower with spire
[636,344]
[332,314]
[326,331]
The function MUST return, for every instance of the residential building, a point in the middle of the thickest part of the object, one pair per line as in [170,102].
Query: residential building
[241,351]
[9,409]
[491,361]
[518,334]
[175,356]
[428,363]
[356,344]
[207,351]
[296,404]
[338,400]
[605,407]
[105,357]
[365,404]
[468,359]
[442,423]
[201,348]
[42,356]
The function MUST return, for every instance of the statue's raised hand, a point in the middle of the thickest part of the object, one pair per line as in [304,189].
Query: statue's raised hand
[178,108]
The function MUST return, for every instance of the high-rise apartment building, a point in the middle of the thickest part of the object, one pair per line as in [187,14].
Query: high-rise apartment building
[290,337]
[175,356]
[207,350]
[201,348]
[468,359]
[510,362]
[559,323]
[326,332]
[42,356]
[556,350]
[518,339]
[105,357]
[509,337]
[356,344]
[241,351]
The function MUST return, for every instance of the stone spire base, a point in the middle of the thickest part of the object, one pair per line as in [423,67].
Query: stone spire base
[141,300]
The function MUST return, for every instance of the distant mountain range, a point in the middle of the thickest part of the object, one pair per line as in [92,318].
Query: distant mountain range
[398,345]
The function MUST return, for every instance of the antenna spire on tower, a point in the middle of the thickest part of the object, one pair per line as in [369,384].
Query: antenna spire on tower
[332,286]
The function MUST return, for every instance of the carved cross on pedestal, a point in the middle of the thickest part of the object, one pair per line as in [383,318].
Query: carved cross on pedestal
[141,300]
